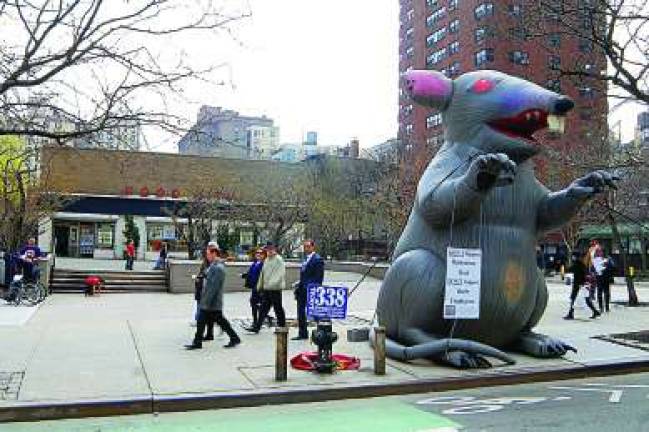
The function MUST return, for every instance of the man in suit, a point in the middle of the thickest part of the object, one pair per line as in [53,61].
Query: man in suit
[312,272]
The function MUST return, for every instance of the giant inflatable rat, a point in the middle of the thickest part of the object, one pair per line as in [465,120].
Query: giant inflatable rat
[482,181]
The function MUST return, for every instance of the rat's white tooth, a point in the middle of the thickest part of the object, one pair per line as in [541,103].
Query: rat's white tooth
[556,123]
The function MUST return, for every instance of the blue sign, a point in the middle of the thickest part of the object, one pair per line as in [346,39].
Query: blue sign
[326,302]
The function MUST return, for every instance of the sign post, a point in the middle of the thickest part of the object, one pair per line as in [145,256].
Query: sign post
[326,302]
[462,293]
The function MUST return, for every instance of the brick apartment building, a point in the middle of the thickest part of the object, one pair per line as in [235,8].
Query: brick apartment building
[458,36]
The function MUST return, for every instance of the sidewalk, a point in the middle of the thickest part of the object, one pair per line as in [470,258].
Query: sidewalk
[130,347]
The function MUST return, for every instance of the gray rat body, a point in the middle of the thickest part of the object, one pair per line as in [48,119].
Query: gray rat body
[462,202]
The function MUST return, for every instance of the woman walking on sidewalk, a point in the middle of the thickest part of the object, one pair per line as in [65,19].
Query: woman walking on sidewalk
[581,282]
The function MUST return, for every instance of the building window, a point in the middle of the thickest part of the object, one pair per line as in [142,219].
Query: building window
[454,48]
[484,10]
[435,37]
[105,235]
[410,33]
[165,232]
[553,9]
[410,14]
[454,69]
[452,4]
[514,10]
[407,110]
[436,57]
[554,62]
[554,40]
[409,128]
[410,52]
[586,92]
[436,16]
[484,56]
[519,57]
[435,141]
[482,33]
[518,32]
[554,85]
[585,45]
[454,26]
[433,120]
[432,3]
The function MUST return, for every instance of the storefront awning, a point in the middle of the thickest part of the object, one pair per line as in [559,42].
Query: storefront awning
[84,217]
[604,231]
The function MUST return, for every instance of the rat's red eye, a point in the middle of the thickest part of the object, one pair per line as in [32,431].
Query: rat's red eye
[482,86]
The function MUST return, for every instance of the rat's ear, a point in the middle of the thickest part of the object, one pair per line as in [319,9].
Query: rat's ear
[429,88]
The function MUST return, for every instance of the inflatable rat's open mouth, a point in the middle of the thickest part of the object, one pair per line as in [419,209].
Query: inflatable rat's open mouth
[525,124]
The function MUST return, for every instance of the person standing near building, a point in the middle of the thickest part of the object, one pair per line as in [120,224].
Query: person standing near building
[211,303]
[272,281]
[162,257]
[251,278]
[311,272]
[130,254]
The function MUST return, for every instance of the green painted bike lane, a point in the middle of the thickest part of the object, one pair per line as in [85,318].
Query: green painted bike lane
[366,415]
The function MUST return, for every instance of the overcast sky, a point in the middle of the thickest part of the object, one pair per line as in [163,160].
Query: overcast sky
[329,66]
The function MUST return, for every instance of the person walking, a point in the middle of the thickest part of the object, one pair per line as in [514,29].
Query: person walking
[604,280]
[130,254]
[311,272]
[580,277]
[198,286]
[251,278]
[271,283]
[211,303]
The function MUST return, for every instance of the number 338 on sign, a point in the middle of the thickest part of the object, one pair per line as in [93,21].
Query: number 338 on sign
[327,302]
[330,297]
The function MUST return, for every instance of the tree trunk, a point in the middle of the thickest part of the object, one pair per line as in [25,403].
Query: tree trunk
[191,246]
[643,253]
[633,296]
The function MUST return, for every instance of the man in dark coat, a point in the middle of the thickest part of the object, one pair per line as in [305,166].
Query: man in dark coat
[211,303]
[312,272]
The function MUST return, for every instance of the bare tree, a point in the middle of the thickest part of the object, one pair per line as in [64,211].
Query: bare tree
[91,65]
[618,30]
[196,216]
[278,206]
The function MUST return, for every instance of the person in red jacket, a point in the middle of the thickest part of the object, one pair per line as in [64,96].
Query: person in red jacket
[130,254]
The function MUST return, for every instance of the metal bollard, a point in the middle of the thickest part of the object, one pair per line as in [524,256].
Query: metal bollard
[379,350]
[281,353]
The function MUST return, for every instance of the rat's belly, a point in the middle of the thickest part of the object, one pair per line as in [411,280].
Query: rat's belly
[508,289]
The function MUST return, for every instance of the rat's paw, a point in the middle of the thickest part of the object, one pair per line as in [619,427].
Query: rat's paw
[542,346]
[592,183]
[486,169]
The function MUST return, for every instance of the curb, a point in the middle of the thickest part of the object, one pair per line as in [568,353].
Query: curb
[24,412]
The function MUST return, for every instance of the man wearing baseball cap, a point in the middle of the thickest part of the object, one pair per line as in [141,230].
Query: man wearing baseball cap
[211,303]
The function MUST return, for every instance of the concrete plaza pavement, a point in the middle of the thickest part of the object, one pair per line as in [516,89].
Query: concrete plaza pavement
[130,347]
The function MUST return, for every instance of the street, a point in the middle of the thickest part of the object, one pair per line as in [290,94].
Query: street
[594,404]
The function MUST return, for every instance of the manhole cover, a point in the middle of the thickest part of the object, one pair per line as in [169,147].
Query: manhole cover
[638,339]
[10,385]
